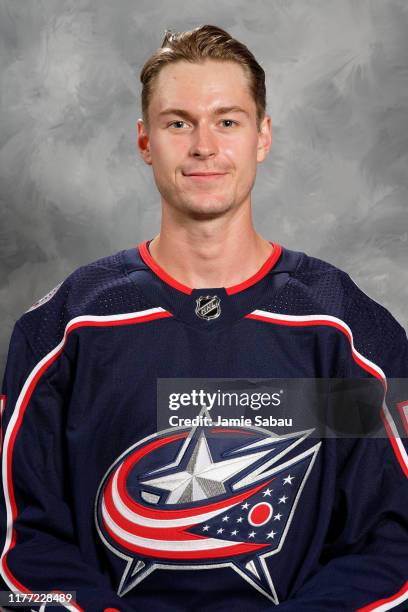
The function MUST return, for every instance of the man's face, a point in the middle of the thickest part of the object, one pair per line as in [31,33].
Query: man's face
[203,120]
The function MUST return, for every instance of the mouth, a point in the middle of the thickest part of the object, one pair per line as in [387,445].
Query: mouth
[205,176]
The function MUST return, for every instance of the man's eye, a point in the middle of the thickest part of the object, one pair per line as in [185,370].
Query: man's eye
[177,123]
[229,121]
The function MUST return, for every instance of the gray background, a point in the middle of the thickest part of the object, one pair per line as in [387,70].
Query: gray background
[72,185]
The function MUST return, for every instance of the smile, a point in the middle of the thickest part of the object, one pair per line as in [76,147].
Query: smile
[204,177]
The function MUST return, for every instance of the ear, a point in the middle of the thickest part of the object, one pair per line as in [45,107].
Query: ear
[264,139]
[143,142]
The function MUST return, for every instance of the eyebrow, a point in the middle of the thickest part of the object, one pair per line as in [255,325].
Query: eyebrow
[222,110]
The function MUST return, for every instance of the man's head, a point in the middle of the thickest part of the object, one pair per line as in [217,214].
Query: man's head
[196,46]
[203,107]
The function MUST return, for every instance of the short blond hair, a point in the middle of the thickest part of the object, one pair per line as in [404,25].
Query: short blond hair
[195,46]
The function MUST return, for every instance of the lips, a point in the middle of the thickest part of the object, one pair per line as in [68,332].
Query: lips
[205,174]
[205,177]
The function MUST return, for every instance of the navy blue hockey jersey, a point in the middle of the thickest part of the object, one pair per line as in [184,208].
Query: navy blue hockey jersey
[99,498]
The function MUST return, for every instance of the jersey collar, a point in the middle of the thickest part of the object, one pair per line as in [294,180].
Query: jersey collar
[160,289]
[161,273]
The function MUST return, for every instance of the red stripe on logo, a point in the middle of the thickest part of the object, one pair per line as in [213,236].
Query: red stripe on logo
[234,549]
[155,533]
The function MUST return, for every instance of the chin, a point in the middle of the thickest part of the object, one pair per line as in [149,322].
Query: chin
[207,209]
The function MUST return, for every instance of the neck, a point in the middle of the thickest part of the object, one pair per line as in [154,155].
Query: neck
[214,252]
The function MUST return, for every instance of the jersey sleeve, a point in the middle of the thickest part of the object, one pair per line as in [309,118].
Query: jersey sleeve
[40,551]
[364,562]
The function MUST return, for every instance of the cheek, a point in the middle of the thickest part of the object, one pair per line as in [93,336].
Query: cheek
[168,156]
[242,151]
[243,158]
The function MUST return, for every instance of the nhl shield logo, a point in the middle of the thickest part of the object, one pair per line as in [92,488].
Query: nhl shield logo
[208,307]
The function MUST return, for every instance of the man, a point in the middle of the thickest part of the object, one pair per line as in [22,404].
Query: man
[99,497]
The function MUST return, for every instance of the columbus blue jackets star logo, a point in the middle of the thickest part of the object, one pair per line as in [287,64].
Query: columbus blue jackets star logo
[202,499]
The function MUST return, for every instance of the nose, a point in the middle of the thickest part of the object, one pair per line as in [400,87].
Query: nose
[204,143]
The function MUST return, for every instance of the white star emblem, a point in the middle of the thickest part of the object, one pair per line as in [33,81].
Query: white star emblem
[203,478]
[282,500]
[225,518]
[206,527]
[234,532]
[220,530]
[277,517]
[252,534]
[288,479]
[271,534]
[267,492]
[239,519]
[245,506]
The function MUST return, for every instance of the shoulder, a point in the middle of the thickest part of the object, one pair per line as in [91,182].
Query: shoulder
[314,286]
[81,283]
[98,288]
[317,287]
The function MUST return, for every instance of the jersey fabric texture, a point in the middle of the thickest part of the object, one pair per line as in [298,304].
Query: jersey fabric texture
[96,500]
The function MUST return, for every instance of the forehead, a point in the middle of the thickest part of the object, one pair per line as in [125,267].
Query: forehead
[201,86]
